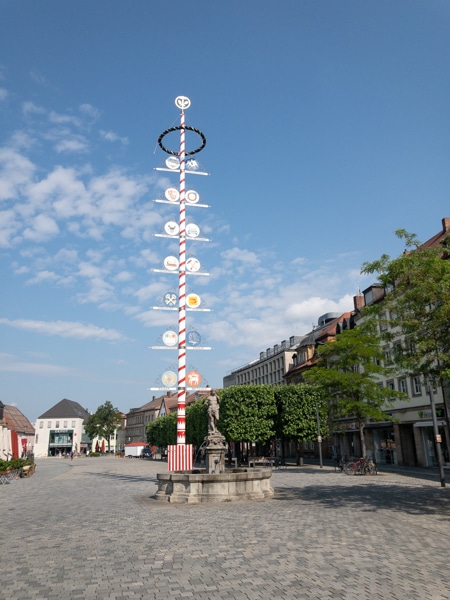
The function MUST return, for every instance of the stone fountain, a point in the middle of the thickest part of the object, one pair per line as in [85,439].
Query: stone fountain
[215,483]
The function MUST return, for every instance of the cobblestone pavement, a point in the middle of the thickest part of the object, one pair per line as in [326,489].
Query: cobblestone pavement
[89,529]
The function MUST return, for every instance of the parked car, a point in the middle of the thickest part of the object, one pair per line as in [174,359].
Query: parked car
[146,453]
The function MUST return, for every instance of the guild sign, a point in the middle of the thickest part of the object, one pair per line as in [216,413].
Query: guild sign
[193,379]
[193,338]
[172,163]
[171,228]
[182,102]
[192,197]
[172,194]
[171,263]
[192,230]
[169,378]
[192,164]
[192,265]
[193,300]
[170,338]
[170,299]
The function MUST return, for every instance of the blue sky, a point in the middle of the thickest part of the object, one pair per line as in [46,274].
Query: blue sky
[327,127]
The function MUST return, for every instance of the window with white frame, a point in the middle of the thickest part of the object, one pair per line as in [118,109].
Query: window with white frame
[402,385]
[49,424]
[417,388]
[41,425]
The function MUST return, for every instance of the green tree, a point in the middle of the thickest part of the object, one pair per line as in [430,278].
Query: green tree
[417,305]
[348,369]
[196,422]
[298,408]
[248,413]
[104,422]
[163,431]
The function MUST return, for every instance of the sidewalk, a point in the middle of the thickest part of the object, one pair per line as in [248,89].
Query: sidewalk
[89,529]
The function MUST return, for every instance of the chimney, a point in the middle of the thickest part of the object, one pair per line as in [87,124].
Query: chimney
[358,302]
[445,224]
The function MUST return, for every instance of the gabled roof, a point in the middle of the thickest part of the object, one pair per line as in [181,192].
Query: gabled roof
[437,239]
[66,409]
[171,402]
[17,421]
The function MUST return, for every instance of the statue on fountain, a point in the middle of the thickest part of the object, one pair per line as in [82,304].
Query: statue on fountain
[213,407]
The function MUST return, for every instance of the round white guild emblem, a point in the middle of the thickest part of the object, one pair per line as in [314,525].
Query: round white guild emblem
[182,102]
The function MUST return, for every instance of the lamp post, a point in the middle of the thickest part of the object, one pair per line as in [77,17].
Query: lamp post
[437,436]
[319,437]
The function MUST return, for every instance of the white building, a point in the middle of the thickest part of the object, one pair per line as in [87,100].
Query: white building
[61,430]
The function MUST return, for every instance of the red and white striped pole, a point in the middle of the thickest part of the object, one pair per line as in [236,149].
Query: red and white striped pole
[181,415]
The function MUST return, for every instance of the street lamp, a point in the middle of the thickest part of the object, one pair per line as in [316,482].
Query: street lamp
[319,437]
[437,436]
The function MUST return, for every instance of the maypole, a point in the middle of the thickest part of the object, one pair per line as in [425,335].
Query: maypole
[181,414]
[180,456]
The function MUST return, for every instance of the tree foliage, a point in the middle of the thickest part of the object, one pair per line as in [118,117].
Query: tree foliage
[163,431]
[104,422]
[196,423]
[298,406]
[348,369]
[417,305]
[248,413]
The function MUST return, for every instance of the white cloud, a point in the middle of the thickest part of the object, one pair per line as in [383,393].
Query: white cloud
[110,136]
[60,119]
[90,111]
[3,94]
[42,369]
[16,171]
[65,329]
[41,228]
[30,108]
[245,257]
[74,144]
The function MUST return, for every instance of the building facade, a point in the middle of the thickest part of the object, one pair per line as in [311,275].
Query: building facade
[60,430]
[16,433]
[268,369]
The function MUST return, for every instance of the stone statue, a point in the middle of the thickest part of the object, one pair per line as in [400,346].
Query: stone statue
[213,404]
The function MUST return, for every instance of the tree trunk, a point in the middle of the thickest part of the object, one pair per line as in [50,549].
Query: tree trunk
[362,441]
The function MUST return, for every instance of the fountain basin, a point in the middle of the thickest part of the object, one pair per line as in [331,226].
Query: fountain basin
[196,486]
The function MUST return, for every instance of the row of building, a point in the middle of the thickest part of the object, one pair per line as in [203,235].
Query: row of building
[60,430]
[407,437]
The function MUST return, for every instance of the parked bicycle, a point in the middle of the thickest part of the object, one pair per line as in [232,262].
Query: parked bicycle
[361,466]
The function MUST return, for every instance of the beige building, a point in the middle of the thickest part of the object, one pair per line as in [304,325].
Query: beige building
[268,369]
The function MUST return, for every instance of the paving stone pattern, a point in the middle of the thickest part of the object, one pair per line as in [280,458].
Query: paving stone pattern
[89,529]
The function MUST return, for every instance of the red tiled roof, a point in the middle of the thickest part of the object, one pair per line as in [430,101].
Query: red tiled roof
[17,421]
[436,240]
